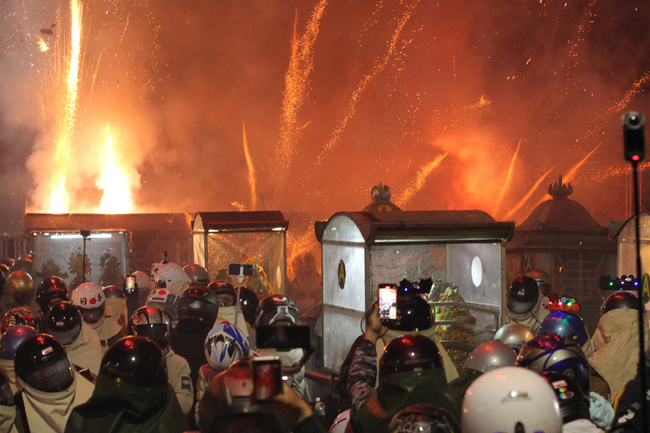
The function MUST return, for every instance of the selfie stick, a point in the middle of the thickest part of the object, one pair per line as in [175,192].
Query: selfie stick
[240,280]
[634,146]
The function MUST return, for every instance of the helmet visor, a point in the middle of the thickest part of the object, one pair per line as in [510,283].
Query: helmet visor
[54,377]
[92,315]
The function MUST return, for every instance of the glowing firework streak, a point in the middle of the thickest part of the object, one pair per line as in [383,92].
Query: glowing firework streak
[568,178]
[420,179]
[506,184]
[529,194]
[65,123]
[114,182]
[296,82]
[240,207]
[251,171]
[374,72]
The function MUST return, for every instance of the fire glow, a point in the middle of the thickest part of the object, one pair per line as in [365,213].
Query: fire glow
[63,84]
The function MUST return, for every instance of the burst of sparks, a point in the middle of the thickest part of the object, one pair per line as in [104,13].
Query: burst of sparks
[296,89]
[378,67]
[114,182]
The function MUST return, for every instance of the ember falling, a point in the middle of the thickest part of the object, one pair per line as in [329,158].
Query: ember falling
[454,105]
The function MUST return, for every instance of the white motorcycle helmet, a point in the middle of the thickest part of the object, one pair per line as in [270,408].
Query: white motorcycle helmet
[342,423]
[510,400]
[89,299]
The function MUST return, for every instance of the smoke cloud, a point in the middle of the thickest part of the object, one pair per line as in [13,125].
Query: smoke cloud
[175,80]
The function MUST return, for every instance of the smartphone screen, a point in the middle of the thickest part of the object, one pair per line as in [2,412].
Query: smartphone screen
[267,377]
[282,337]
[387,302]
[130,282]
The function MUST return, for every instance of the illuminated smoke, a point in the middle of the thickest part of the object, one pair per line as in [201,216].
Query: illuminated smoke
[296,82]
[251,170]
[377,68]
[508,180]
[117,196]
[418,183]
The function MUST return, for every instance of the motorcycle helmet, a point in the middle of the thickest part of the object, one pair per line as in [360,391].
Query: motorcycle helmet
[522,295]
[423,418]
[225,344]
[50,291]
[249,301]
[7,261]
[565,325]
[619,300]
[42,363]
[113,292]
[11,339]
[167,274]
[63,321]
[543,280]
[514,335]
[276,310]
[89,299]
[551,352]
[135,360]
[225,293]
[227,405]
[490,355]
[151,322]
[197,275]
[510,400]
[21,316]
[411,352]
[3,280]
[21,286]
[198,304]
[22,264]
[414,314]
[574,404]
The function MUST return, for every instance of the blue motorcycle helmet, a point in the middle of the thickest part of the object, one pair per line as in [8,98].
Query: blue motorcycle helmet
[565,325]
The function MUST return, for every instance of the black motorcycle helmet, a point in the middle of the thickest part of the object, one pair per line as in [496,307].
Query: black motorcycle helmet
[409,352]
[414,314]
[135,361]
[151,322]
[198,304]
[574,404]
[63,321]
[42,363]
[3,280]
[522,295]
[249,301]
[225,292]
[12,338]
[50,291]
[276,310]
[619,300]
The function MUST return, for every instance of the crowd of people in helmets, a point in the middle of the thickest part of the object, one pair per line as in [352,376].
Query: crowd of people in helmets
[172,351]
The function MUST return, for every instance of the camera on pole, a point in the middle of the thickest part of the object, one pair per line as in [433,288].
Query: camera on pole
[633,139]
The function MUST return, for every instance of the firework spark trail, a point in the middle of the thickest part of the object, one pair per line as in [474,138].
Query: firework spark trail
[251,170]
[529,194]
[420,179]
[566,179]
[374,72]
[583,29]
[296,89]
[508,180]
